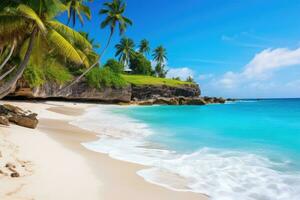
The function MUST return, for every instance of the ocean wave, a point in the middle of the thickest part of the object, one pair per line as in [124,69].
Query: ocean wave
[221,174]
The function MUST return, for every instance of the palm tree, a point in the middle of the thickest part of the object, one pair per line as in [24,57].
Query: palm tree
[34,22]
[114,12]
[125,49]
[144,47]
[76,8]
[160,55]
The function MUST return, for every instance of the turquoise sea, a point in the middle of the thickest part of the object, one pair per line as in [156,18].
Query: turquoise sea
[248,150]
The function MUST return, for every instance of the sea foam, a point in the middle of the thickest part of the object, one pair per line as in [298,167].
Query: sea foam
[219,173]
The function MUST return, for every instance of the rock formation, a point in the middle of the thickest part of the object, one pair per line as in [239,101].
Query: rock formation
[14,114]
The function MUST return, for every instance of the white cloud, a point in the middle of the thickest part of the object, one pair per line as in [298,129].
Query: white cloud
[257,74]
[183,73]
[270,60]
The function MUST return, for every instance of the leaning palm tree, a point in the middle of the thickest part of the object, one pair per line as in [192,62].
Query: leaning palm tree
[125,49]
[144,47]
[160,55]
[76,9]
[114,12]
[34,22]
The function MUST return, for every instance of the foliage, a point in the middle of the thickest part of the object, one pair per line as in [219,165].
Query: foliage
[150,80]
[160,55]
[114,16]
[104,77]
[114,66]
[125,50]
[34,76]
[160,71]
[190,79]
[52,72]
[140,65]
[76,9]
[176,78]
[144,47]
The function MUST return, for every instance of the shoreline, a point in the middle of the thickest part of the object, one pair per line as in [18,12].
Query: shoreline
[113,179]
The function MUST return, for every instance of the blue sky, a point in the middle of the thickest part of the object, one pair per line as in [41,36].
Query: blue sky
[232,48]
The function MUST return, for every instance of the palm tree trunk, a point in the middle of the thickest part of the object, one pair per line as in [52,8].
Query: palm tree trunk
[8,72]
[6,88]
[91,67]
[8,57]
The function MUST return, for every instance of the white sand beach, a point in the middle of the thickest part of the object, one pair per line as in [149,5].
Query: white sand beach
[53,164]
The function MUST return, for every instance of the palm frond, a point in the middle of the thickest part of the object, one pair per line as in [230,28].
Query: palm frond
[27,12]
[53,8]
[84,58]
[11,27]
[70,34]
[86,11]
[63,47]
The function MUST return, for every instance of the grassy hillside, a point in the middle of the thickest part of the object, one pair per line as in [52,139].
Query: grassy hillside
[150,80]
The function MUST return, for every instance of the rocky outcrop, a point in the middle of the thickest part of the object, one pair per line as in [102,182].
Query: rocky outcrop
[152,91]
[181,101]
[14,114]
[79,91]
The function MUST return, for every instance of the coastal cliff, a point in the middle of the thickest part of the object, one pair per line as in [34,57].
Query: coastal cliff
[81,91]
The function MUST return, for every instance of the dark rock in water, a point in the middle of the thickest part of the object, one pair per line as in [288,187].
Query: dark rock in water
[145,103]
[4,121]
[195,101]
[18,116]
[181,101]
[165,101]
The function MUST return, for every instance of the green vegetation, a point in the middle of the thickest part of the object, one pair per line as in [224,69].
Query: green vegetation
[76,8]
[160,57]
[114,66]
[114,16]
[125,50]
[150,80]
[190,79]
[104,77]
[144,47]
[35,45]
[31,26]
[36,75]
[140,65]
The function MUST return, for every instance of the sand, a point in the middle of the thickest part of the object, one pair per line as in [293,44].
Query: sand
[54,165]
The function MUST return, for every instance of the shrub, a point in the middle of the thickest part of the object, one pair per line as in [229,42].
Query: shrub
[52,71]
[58,74]
[140,65]
[114,66]
[104,77]
[34,76]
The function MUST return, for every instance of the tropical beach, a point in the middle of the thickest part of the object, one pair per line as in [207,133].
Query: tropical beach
[169,100]
[65,169]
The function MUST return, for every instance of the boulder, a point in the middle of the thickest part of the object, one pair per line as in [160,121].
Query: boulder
[165,101]
[14,109]
[29,121]
[4,121]
[10,113]
[145,103]
[195,101]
